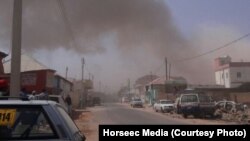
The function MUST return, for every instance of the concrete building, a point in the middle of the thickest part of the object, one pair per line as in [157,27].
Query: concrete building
[62,86]
[231,74]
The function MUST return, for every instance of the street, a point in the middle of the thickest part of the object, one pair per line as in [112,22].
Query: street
[115,113]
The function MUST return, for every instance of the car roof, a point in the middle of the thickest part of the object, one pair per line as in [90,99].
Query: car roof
[165,100]
[55,96]
[27,102]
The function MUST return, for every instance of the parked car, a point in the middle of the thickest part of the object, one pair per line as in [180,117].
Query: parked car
[96,101]
[164,105]
[36,120]
[136,102]
[230,106]
[196,104]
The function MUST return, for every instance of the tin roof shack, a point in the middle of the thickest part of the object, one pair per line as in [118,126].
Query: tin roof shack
[34,75]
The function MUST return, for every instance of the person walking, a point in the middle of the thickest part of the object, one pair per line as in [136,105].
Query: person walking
[69,104]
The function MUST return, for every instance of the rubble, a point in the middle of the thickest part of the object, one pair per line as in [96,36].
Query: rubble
[235,116]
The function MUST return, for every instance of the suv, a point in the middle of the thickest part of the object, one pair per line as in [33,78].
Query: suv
[36,120]
[136,102]
[196,104]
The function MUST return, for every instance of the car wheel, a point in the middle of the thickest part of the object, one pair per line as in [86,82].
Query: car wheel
[162,110]
[185,115]
[196,115]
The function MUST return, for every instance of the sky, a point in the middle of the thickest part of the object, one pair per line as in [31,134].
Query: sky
[124,40]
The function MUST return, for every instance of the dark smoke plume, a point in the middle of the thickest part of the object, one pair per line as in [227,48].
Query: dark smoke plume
[142,29]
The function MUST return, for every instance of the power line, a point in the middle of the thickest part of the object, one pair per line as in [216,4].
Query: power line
[214,50]
[67,24]
[66,21]
[206,53]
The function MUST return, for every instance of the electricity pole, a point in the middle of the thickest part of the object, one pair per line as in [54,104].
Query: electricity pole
[82,92]
[166,63]
[66,75]
[16,48]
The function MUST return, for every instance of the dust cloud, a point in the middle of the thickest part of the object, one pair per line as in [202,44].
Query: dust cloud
[142,33]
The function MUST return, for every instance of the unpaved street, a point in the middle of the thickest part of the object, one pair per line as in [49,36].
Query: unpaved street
[89,119]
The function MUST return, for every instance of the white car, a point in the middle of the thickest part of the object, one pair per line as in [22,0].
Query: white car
[136,102]
[164,105]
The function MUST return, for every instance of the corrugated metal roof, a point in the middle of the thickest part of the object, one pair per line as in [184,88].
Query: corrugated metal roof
[28,63]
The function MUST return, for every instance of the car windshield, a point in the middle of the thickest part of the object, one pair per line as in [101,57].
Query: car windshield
[189,98]
[25,122]
[166,102]
[137,99]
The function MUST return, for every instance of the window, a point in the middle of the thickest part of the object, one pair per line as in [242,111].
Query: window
[25,122]
[204,98]
[238,74]
[189,98]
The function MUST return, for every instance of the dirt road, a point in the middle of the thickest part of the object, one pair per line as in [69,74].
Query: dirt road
[89,120]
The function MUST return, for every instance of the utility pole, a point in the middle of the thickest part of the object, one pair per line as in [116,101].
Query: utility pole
[166,63]
[82,92]
[169,75]
[16,48]
[100,86]
[129,88]
[66,75]
[83,62]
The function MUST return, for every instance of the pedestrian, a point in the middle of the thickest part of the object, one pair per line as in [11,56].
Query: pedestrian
[23,94]
[43,95]
[33,95]
[69,104]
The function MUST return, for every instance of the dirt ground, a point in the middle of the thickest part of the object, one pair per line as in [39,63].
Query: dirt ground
[85,122]
[89,127]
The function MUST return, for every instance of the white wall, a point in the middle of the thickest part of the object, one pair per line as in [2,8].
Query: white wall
[228,77]
[245,75]
[222,77]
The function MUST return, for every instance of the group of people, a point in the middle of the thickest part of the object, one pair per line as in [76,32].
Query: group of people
[44,96]
[34,96]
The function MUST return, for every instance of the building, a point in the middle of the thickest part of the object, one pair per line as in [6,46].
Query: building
[81,92]
[62,86]
[231,74]
[141,85]
[34,75]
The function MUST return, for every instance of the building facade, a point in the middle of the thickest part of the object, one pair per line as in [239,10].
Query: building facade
[231,74]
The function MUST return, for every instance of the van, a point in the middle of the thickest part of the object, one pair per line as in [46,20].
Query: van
[196,104]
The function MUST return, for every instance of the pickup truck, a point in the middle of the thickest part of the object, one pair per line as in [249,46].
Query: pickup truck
[196,104]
